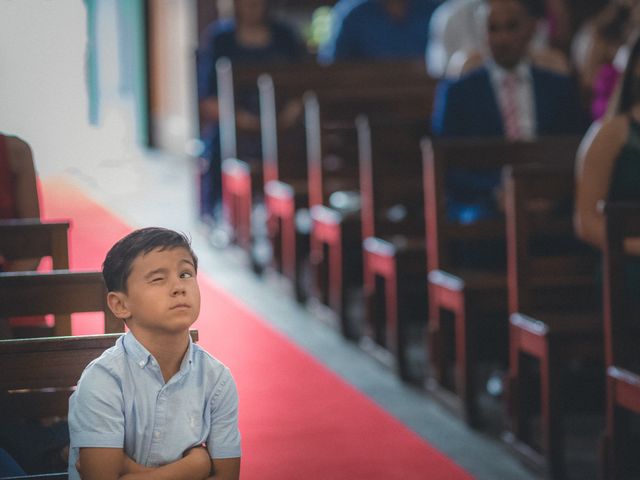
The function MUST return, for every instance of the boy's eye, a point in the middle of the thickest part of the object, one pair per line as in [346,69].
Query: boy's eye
[186,275]
[156,279]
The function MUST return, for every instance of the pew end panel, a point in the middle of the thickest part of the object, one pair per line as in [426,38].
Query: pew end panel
[393,245]
[554,309]
[57,292]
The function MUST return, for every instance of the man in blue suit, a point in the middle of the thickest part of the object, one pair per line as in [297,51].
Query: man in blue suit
[506,97]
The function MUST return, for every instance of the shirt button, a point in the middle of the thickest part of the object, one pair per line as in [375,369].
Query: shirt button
[156,435]
[141,363]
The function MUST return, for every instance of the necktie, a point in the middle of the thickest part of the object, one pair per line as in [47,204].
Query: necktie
[511,114]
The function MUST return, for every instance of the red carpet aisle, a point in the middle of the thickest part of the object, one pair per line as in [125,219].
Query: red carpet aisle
[298,420]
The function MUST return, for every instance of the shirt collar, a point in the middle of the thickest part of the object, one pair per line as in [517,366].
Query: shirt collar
[141,356]
[522,70]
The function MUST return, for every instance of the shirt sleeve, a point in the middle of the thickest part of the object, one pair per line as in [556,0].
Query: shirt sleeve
[96,412]
[224,436]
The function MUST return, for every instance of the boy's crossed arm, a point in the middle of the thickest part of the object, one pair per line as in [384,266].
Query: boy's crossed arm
[113,463]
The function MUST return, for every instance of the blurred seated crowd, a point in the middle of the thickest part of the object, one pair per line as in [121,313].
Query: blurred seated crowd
[545,67]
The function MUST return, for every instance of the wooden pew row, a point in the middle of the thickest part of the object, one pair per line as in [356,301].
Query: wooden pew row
[621,334]
[465,301]
[57,292]
[342,99]
[39,375]
[555,316]
[282,148]
[336,236]
[394,256]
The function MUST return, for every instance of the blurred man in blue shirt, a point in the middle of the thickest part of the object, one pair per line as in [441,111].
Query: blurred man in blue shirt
[378,30]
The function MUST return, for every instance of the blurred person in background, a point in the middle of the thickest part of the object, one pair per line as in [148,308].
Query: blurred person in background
[252,36]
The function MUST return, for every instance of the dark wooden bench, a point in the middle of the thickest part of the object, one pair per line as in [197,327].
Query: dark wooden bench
[345,90]
[56,292]
[394,255]
[475,299]
[621,332]
[285,177]
[32,238]
[39,375]
[554,311]
[336,235]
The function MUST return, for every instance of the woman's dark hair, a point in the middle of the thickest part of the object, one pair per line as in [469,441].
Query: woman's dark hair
[117,264]
[629,90]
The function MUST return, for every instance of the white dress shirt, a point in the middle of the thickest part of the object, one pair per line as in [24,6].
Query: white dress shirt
[524,95]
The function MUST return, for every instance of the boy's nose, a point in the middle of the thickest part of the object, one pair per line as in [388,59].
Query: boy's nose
[178,288]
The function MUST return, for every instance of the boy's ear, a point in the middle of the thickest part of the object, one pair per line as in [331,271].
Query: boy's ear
[117,302]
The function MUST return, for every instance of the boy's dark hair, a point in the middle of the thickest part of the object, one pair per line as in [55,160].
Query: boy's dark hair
[117,264]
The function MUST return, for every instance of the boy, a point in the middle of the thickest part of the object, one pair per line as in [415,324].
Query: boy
[155,405]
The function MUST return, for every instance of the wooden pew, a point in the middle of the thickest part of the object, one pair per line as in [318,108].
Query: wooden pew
[242,177]
[471,296]
[334,207]
[345,90]
[241,171]
[394,255]
[56,292]
[554,309]
[336,237]
[285,178]
[31,238]
[38,375]
[621,334]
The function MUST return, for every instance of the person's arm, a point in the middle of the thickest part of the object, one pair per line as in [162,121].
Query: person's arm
[224,435]
[113,464]
[225,469]
[26,192]
[21,162]
[594,166]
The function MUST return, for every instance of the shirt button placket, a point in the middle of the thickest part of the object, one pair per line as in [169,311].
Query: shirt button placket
[156,442]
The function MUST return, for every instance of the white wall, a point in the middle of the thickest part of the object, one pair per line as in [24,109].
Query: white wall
[43,96]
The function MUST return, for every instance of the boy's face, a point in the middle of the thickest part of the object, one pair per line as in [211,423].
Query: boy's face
[162,293]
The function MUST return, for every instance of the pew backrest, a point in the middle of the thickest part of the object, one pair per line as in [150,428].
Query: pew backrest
[59,292]
[33,238]
[39,374]
[475,154]
[390,177]
[548,267]
[399,89]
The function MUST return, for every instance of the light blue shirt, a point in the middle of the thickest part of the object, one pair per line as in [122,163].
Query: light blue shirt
[122,401]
